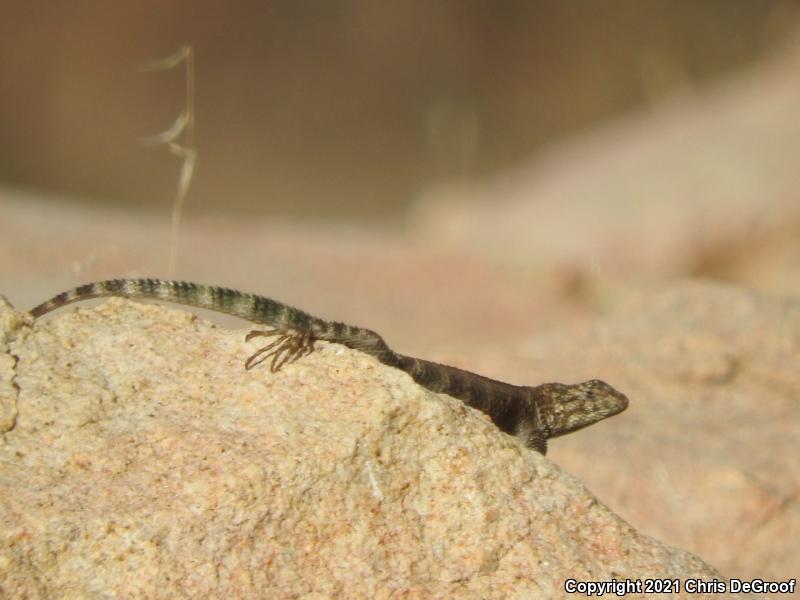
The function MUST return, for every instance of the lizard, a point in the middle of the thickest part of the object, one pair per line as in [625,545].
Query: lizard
[531,413]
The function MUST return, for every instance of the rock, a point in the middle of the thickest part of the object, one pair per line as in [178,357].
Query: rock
[10,323]
[144,461]
[702,185]
[707,456]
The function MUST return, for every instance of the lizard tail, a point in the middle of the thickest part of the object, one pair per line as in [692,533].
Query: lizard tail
[248,306]
[84,292]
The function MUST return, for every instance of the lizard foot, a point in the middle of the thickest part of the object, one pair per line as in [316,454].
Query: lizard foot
[290,345]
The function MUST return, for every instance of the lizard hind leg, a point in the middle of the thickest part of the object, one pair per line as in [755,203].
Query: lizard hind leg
[290,345]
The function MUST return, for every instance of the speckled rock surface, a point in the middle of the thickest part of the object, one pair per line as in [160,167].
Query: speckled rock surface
[144,461]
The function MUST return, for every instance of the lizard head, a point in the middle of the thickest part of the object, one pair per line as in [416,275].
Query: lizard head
[566,408]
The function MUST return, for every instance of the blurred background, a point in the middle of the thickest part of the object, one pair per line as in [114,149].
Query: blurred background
[351,109]
[535,191]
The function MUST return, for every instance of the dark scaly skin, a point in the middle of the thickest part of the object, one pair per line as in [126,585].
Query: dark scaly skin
[534,414]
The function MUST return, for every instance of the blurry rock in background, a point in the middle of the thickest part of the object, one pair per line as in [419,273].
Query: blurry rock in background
[348,109]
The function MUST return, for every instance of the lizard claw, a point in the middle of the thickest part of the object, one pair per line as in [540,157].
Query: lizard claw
[290,345]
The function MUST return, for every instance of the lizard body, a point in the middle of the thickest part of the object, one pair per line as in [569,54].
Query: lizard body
[532,413]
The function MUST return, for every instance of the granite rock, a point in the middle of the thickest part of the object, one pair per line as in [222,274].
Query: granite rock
[144,461]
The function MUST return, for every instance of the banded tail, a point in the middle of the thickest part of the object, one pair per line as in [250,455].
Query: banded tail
[247,306]
[253,308]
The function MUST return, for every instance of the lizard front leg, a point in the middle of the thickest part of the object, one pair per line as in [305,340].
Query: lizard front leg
[290,345]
